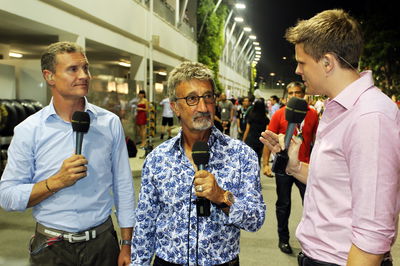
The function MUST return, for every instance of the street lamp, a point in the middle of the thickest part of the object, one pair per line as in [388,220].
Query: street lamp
[240,6]
[239,19]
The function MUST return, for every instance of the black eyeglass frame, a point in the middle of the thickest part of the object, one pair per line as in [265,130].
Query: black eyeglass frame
[198,99]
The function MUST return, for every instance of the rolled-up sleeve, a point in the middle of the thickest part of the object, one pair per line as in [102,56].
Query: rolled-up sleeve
[374,158]
[16,182]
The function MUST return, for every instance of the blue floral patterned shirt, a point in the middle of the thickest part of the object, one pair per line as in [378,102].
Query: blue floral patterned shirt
[167,189]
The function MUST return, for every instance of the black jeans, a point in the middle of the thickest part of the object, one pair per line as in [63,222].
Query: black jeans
[283,204]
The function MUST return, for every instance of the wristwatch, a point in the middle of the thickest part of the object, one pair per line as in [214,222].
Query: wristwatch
[125,242]
[228,200]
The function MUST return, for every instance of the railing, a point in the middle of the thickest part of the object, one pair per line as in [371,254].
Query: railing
[167,13]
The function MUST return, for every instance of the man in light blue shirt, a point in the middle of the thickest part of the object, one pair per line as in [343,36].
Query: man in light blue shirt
[275,105]
[168,225]
[71,195]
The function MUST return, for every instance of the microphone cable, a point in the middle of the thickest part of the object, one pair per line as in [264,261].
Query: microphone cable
[197,241]
[188,231]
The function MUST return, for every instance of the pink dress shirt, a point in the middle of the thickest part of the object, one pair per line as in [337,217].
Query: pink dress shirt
[353,190]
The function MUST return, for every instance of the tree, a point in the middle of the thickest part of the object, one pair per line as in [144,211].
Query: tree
[211,37]
[253,75]
[382,46]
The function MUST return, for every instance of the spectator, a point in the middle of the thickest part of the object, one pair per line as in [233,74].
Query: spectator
[227,112]
[284,182]
[167,117]
[256,123]
[141,116]
[275,105]
[242,116]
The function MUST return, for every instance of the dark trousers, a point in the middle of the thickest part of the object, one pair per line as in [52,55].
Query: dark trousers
[101,251]
[283,204]
[226,126]
[304,260]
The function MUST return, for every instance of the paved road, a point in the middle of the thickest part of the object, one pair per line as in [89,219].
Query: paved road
[258,248]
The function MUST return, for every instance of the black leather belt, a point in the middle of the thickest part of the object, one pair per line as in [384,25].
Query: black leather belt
[160,262]
[304,260]
[75,237]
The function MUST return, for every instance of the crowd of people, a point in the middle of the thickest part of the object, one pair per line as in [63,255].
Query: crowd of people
[201,187]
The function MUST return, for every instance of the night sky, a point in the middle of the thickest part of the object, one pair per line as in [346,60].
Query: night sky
[269,20]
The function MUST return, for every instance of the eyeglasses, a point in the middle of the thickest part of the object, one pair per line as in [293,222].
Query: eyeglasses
[191,100]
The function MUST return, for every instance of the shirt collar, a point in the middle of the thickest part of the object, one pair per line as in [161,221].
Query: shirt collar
[348,97]
[51,111]
[215,136]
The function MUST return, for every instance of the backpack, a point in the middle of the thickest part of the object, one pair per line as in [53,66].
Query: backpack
[131,146]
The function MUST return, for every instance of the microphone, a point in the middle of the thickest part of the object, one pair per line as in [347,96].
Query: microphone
[295,113]
[80,124]
[201,156]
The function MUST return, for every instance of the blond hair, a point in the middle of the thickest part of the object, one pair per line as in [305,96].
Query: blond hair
[331,31]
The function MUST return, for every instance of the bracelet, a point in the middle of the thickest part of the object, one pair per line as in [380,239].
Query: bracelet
[47,186]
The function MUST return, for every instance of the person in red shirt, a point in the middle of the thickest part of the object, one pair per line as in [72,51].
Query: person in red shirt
[284,183]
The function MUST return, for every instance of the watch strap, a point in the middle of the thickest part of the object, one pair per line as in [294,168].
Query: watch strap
[222,205]
[125,242]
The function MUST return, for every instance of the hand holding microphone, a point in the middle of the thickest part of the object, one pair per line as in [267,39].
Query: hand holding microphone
[206,186]
[295,113]
[74,167]
[201,156]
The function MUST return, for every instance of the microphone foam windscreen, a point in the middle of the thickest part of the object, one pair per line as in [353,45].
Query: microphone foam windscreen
[296,110]
[200,153]
[80,121]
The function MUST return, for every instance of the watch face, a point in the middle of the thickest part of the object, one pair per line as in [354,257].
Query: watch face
[229,198]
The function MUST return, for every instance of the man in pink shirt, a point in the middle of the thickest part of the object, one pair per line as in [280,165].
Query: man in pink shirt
[352,199]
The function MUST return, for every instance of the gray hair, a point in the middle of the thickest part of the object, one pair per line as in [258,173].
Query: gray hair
[48,59]
[187,71]
[297,84]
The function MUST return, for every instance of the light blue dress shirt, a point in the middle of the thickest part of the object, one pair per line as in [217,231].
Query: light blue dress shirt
[40,145]
[162,215]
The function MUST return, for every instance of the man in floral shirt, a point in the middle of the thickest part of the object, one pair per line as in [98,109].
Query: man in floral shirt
[167,224]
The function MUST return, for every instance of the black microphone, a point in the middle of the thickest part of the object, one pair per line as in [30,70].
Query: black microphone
[296,110]
[80,124]
[201,156]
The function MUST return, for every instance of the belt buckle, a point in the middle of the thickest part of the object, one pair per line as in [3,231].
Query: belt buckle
[74,238]
[68,237]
